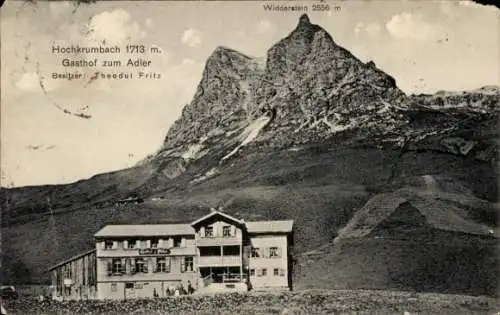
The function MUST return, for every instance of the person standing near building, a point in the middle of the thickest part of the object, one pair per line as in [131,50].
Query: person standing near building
[190,287]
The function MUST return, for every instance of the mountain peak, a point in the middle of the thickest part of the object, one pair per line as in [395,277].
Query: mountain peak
[304,19]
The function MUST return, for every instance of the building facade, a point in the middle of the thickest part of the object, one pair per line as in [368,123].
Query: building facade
[216,253]
[75,278]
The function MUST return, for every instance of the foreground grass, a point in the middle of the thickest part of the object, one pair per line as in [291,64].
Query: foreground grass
[302,302]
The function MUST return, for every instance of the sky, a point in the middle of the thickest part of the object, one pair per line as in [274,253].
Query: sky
[60,131]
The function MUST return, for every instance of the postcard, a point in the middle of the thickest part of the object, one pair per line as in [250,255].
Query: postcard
[249,157]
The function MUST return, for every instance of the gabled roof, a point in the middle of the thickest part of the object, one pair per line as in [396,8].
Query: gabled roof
[280,226]
[214,213]
[145,230]
[64,262]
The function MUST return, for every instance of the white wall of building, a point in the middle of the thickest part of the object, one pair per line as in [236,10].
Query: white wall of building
[269,280]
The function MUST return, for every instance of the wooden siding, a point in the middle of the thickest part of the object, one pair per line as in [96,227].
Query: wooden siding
[82,272]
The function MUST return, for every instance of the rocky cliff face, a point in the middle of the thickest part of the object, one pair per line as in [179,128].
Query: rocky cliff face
[309,87]
[313,134]
[310,90]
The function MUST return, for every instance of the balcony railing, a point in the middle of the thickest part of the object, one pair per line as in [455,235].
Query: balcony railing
[214,241]
[219,261]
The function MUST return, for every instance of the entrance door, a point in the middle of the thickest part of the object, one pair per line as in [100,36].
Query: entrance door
[129,290]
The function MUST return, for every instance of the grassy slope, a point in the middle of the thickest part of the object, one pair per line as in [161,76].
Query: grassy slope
[253,303]
[319,188]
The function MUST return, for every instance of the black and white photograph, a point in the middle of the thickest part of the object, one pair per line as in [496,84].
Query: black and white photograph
[249,157]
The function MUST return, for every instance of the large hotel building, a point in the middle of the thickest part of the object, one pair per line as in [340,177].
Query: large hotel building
[216,253]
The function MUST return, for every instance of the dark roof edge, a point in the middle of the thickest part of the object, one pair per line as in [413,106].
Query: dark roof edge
[71,259]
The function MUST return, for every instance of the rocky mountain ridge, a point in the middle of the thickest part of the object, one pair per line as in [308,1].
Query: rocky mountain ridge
[313,134]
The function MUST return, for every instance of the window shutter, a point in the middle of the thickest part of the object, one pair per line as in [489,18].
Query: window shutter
[122,267]
[278,251]
[125,244]
[160,243]
[202,231]
[170,242]
[102,245]
[127,265]
[148,244]
[233,230]
[183,242]
[115,244]
[183,264]
[282,272]
[109,267]
[132,265]
[154,263]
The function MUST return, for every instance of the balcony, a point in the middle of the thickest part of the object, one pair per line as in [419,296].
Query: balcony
[218,241]
[207,261]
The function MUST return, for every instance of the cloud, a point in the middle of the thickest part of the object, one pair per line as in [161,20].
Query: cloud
[114,27]
[409,26]
[28,82]
[60,8]
[265,26]
[191,37]
[187,61]
[373,30]
[149,23]
[467,3]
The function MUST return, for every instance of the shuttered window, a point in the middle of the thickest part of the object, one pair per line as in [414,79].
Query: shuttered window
[274,252]
[162,264]
[141,265]
[256,252]
[108,244]
[187,264]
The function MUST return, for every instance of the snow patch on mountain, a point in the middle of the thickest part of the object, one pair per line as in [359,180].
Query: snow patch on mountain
[210,173]
[249,134]
[195,151]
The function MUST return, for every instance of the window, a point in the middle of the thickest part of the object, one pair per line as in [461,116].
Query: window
[210,251]
[117,266]
[113,287]
[67,272]
[264,272]
[255,252]
[231,250]
[273,252]
[276,271]
[132,244]
[226,231]
[252,272]
[140,265]
[209,231]
[129,285]
[187,264]
[282,272]
[161,265]
[154,243]
[108,244]
[177,241]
